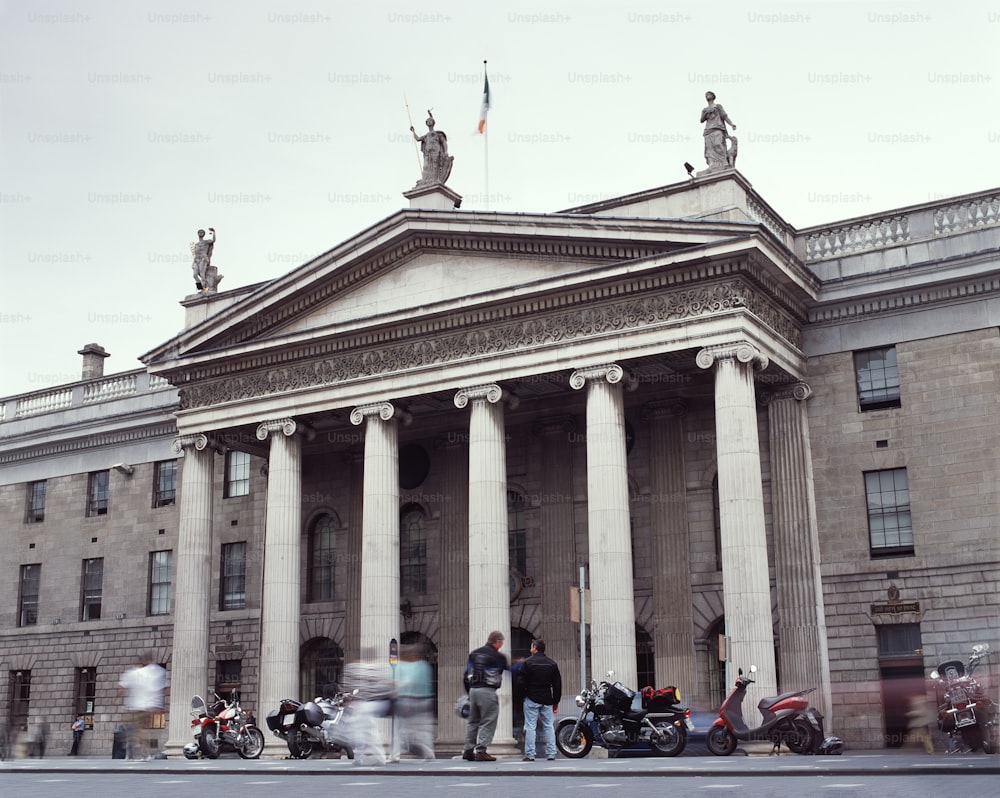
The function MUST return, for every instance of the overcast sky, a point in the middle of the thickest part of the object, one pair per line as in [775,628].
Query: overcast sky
[126,126]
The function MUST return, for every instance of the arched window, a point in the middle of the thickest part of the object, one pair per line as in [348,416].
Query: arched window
[322,667]
[412,551]
[322,558]
[516,539]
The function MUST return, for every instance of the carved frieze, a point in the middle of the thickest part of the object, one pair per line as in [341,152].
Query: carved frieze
[430,349]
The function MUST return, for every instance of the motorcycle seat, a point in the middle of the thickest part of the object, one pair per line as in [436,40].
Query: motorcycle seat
[768,701]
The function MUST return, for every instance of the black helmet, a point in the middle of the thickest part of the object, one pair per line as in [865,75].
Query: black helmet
[831,746]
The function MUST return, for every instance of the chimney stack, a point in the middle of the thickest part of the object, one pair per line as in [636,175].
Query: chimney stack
[93,361]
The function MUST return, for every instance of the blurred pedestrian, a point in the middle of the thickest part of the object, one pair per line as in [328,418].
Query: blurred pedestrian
[369,683]
[483,675]
[413,705]
[143,688]
[541,683]
[920,715]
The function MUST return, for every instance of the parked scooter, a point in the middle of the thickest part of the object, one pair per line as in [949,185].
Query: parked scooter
[225,722]
[788,719]
[607,719]
[322,724]
[965,710]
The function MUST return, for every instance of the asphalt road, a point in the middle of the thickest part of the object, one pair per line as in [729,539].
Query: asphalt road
[853,774]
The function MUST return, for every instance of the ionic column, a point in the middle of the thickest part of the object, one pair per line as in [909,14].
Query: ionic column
[489,556]
[453,626]
[804,655]
[673,633]
[560,564]
[745,583]
[281,590]
[355,462]
[192,586]
[379,613]
[612,616]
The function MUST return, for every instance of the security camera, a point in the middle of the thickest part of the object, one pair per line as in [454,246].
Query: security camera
[123,468]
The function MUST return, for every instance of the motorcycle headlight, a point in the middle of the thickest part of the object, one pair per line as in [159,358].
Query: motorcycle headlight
[580,700]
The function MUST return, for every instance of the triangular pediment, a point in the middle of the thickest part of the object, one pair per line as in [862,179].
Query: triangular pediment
[420,263]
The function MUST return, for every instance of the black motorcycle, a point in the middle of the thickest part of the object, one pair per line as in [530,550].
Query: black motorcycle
[607,719]
[314,725]
[965,711]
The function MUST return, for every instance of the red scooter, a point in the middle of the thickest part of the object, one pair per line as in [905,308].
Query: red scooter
[788,719]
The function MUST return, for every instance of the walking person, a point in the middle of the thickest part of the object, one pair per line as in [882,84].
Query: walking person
[413,707]
[541,684]
[483,675]
[78,726]
[143,688]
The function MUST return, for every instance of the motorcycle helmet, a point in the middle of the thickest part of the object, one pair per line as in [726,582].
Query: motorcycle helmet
[462,707]
[191,751]
[831,746]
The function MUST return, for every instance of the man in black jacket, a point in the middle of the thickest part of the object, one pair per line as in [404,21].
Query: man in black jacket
[542,685]
[483,673]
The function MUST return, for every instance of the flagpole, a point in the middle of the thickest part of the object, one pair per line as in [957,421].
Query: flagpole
[486,150]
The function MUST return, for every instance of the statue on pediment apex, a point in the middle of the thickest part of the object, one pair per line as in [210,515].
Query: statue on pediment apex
[434,146]
[720,147]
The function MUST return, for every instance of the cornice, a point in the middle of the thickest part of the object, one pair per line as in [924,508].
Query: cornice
[610,309]
[918,296]
[92,441]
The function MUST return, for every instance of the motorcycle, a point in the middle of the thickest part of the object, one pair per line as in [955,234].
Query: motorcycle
[607,719]
[788,719]
[965,710]
[226,722]
[321,724]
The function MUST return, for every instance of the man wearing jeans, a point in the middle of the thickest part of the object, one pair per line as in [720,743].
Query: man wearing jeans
[542,685]
[483,673]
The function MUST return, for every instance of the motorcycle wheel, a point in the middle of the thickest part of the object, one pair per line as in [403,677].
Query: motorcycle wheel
[299,745]
[972,737]
[253,745]
[209,742]
[991,738]
[574,745]
[719,741]
[799,736]
[672,739]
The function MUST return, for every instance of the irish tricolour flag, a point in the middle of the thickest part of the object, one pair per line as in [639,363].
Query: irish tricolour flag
[485,106]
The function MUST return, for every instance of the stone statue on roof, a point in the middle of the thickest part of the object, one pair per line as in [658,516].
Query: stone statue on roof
[720,147]
[434,146]
[206,276]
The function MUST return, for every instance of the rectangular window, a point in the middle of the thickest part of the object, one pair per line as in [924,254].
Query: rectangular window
[36,502]
[93,589]
[878,378]
[30,578]
[234,576]
[237,474]
[890,528]
[899,640]
[97,493]
[86,692]
[20,700]
[165,483]
[228,676]
[160,563]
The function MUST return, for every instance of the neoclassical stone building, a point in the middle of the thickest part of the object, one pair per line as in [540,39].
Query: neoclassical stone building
[755,444]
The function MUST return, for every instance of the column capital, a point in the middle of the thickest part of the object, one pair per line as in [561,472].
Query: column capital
[492,393]
[384,410]
[199,442]
[611,372]
[742,352]
[799,391]
[665,408]
[288,426]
